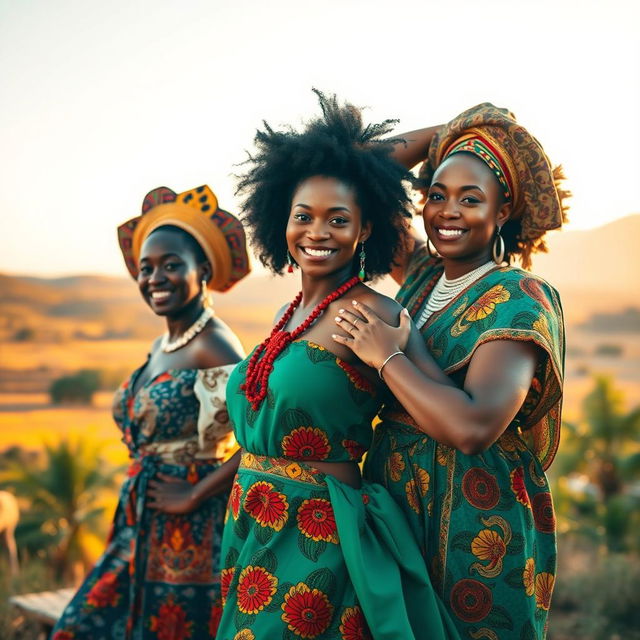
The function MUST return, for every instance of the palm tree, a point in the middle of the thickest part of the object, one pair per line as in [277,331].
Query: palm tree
[599,468]
[66,493]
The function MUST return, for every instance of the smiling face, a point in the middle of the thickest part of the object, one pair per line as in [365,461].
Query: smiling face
[324,226]
[464,205]
[170,271]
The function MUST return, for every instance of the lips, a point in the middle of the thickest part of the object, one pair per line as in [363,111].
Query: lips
[318,253]
[449,233]
[160,296]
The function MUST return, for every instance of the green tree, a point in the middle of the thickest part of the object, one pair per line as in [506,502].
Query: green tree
[78,387]
[66,492]
[599,469]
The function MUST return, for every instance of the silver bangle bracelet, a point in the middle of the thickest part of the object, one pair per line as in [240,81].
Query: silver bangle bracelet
[395,353]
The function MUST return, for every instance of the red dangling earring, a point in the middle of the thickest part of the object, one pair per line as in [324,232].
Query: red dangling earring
[290,263]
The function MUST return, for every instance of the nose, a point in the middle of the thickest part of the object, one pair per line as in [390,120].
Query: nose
[318,231]
[156,276]
[450,209]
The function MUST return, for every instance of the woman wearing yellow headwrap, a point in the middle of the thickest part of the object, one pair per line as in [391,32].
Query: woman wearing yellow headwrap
[464,446]
[159,575]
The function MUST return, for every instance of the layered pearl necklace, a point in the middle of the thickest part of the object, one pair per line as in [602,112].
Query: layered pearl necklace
[446,290]
[173,345]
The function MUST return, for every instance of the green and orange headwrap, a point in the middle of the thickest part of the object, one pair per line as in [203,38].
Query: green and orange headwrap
[486,149]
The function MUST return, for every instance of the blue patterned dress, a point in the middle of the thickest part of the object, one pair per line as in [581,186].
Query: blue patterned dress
[159,578]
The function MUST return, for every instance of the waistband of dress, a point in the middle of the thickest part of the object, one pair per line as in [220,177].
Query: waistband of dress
[153,460]
[283,468]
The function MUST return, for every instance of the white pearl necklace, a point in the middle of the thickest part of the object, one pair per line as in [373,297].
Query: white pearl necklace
[188,335]
[446,290]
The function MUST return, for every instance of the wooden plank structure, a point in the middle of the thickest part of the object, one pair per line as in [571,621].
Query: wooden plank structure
[44,607]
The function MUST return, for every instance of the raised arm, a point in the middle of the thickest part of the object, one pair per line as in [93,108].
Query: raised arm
[415,147]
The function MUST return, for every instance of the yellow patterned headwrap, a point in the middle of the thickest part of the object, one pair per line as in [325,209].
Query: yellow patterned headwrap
[196,211]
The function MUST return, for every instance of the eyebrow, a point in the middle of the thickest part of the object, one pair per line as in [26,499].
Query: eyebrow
[467,187]
[164,257]
[308,208]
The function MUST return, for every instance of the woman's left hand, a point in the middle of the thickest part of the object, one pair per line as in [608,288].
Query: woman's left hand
[171,494]
[370,338]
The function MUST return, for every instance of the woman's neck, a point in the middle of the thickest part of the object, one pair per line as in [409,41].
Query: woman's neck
[315,290]
[458,267]
[179,323]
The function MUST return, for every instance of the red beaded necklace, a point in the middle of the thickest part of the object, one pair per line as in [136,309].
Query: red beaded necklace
[261,362]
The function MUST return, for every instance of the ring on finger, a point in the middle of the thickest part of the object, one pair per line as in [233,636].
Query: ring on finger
[355,322]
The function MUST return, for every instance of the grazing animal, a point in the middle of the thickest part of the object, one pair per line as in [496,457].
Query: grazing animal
[9,516]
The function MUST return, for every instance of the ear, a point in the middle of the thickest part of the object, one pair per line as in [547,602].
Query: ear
[504,214]
[365,232]
[205,271]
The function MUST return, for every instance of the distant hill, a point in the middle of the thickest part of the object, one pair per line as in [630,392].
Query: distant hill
[596,270]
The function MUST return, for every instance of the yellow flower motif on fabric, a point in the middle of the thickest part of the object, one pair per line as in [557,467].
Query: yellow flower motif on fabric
[244,634]
[422,479]
[528,576]
[489,546]
[542,326]
[293,470]
[485,305]
[544,588]
[443,454]
[396,466]
[410,490]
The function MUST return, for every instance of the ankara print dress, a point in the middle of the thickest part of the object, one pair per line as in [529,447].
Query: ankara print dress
[159,576]
[305,555]
[485,522]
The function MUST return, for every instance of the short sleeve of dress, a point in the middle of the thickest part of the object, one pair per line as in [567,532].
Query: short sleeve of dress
[525,308]
[215,434]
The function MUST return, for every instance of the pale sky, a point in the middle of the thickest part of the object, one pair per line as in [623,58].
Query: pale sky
[102,101]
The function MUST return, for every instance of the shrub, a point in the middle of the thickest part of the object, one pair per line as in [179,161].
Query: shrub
[78,388]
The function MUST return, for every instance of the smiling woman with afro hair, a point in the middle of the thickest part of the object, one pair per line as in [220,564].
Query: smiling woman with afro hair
[310,550]
[336,145]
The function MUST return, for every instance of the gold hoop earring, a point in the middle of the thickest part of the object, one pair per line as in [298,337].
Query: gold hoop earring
[433,253]
[498,248]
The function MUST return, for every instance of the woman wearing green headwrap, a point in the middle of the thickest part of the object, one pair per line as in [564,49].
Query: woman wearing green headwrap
[464,446]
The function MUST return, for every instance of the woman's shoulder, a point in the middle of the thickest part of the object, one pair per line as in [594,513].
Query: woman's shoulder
[532,286]
[387,308]
[217,346]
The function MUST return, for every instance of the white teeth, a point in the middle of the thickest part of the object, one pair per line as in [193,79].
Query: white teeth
[160,295]
[318,253]
[451,233]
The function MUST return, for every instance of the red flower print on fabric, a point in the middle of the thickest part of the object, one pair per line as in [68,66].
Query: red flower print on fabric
[471,600]
[353,625]
[543,515]
[171,622]
[256,588]
[534,290]
[480,489]
[266,506]
[306,443]
[307,612]
[317,521]
[63,635]
[354,449]
[104,592]
[226,576]
[235,499]
[518,487]
[356,378]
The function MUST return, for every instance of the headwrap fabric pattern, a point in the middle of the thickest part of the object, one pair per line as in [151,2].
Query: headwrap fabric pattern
[219,233]
[537,198]
[481,147]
